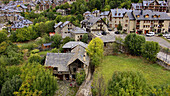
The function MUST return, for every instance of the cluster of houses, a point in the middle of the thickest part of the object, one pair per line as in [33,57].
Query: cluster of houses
[135,20]
[148,16]
[12,12]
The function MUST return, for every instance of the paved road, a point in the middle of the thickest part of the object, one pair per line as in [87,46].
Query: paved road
[161,41]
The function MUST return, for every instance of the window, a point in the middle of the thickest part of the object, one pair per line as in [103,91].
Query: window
[119,14]
[146,16]
[125,25]
[115,21]
[126,20]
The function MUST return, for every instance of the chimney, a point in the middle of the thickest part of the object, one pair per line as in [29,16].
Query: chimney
[117,10]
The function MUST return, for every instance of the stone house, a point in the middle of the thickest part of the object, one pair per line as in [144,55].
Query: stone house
[95,26]
[66,65]
[144,21]
[154,5]
[61,11]
[77,33]
[72,44]
[64,28]
[116,17]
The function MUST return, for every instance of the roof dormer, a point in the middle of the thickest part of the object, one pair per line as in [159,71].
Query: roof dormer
[147,15]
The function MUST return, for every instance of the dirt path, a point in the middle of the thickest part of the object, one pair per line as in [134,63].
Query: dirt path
[64,89]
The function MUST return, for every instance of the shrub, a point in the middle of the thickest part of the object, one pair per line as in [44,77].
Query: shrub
[160,34]
[128,84]
[35,51]
[80,77]
[150,50]
[134,42]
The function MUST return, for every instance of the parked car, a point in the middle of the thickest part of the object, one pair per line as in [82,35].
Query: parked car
[110,29]
[150,34]
[164,35]
[117,32]
[168,37]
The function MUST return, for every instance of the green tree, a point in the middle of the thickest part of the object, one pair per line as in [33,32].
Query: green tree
[79,17]
[10,86]
[150,50]
[128,83]
[13,71]
[95,51]
[57,40]
[85,38]
[3,36]
[80,77]
[119,27]
[133,43]
[34,58]
[67,39]
[2,75]
[37,80]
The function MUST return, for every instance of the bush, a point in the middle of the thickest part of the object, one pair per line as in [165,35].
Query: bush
[133,43]
[160,34]
[80,77]
[34,58]
[55,50]
[150,50]
[128,84]
[35,51]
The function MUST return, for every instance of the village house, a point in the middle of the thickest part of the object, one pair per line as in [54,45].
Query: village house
[72,44]
[66,65]
[96,13]
[61,11]
[144,21]
[154,5]
[46,46]
[77,33]
[64,28]
[95,26]
[116,17]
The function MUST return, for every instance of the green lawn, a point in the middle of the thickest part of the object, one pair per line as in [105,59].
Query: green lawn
[154,74]
[44,52]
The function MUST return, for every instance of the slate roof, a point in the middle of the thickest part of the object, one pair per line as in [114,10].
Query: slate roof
[108,38]
[59,60]
[87,12]
[147,3]
[130,16]
[47,44]
[105,13]
[119,12]
[78,30]
[96,11]
[63,60]
[73,44]
[137,4]
[65,23]
[142,13]
[58,24]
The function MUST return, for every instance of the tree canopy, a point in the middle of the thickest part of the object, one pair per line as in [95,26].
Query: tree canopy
[150,50]
[128,83]
[95,50]
[134,43]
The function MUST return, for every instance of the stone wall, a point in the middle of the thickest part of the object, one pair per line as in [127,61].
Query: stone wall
[163,64]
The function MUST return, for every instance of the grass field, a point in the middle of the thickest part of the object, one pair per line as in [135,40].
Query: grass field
[154,74]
